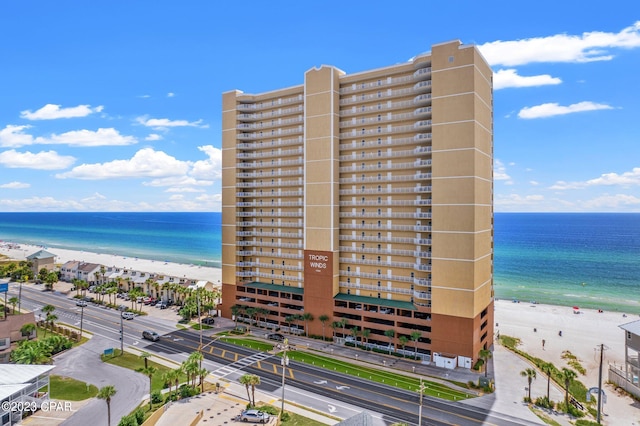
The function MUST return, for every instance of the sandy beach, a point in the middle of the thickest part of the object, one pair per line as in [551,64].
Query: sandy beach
[583,331]
[214,275]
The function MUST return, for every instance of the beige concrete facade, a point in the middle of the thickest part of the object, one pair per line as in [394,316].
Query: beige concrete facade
[368,198]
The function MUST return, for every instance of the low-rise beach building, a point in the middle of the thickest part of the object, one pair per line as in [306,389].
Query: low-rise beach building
[628,377]
[42,259]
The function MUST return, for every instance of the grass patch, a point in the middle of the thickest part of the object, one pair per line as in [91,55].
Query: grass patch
[204,327]
[289,418]
[135,363]
[249,343]
[401,381]
[69,389]
[544,417]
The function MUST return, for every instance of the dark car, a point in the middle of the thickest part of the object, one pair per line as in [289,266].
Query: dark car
[276,336]
[208,320]
[150,335]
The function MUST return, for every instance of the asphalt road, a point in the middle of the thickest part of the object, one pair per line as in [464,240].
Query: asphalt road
[393,403]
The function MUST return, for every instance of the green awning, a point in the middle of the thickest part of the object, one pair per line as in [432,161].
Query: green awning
[276,287]
[398,304]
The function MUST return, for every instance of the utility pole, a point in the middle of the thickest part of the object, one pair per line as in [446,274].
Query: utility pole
[284,361]
[121,335]
[82,317]
[200,326]
[600,384]
[420,408]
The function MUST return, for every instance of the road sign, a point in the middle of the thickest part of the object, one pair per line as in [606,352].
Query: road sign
[4,287]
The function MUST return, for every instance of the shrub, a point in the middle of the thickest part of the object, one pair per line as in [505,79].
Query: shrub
[187,391]
[583,422]
[156,397]
[129,420]
[139,414]
[544,403]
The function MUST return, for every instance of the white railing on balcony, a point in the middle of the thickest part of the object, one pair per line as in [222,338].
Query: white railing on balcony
[253,194]
[386,190]
[355,156]
[270,114]
[377,84]
[381,277]
[274,224]
[382,166]
[386,178]
[269,213]
[270,204]
[422,73]
[386,251]
[383,202]
[261,185]
[248,105]
[388,141]
[423,99]
[271,153]
[385,213]
[268,255]
[255,233]
[269,266]
[385,227]
[272,163]
[385,239]
[271,144]
[365,109]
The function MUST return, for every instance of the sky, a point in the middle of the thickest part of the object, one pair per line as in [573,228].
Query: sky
[116,106]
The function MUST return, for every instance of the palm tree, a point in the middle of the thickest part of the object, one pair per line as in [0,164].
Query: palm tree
[149,372]
[547,368]
[567,376]
[485,355]
[254,381]
[334,325]
[13,301]
[343,323]
[323,319]
[415,338]
[170,377]
[106,392]
[31,352]
[390,333]
[51,279]
[28,329]
[251,313]
[48,310]
[145,355]
[403,340]
[355,331]
[289,319]
[245,380]
[307,316]
[365,333]
[235,311]
[202,373]
[530,374]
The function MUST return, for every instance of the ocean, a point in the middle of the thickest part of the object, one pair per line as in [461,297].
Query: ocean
[190,238]
[590,260]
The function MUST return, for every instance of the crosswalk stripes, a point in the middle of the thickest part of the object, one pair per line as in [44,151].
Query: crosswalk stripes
[240,364]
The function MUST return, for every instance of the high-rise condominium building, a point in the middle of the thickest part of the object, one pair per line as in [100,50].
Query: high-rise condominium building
[365,201]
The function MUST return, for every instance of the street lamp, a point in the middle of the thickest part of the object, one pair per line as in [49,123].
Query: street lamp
[121,335]
[420,407]
[82,317]
[284,362]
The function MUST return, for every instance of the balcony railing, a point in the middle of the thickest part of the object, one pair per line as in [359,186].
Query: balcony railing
[386,227]
[270,114]
[279,183]
[386,252]
[272,153]
[385,213]
[385,166]
[274,224]
[265,254]
[254,194]
[386,178]
[275,173]
[270,204]
[381,130]
[384,239]
[248,105]
[383,202]
[268,213]
[271,144]
[272,163]
[387,154]
[387,190]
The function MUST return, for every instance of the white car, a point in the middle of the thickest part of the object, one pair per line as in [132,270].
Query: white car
[128,315]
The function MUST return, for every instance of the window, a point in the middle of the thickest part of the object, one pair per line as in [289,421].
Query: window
[628,335]
[450,59]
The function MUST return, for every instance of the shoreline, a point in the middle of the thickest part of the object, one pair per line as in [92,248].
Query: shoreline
[20,251]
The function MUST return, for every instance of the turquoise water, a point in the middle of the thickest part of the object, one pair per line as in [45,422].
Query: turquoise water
[191,238]
[588,260]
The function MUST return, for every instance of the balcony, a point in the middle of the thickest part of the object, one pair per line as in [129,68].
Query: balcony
[384,239]
[277,224]
[381,130]
[422,73]
[386,227]
[387,154]
[269,234]
[269,244]
[271,144]
[381,202]
[271,153]
[279,183]
[268,164]
[387,178]
[380,277]
[268,213]
[269,114]
[387,264]
[252,106]
[387,252]
[372,85]
[422,86]
[268,255]
[270,204]
[387,213]
[366,109]
[270,266]
[385,166]
[423,99]
[387,190]
[259,174]
[257,194]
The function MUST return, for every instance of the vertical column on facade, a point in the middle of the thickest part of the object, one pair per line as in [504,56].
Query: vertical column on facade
[321,189]
[229,178]
[462,153]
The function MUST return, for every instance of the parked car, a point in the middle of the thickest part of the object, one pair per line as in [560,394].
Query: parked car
[276,336]
[128,315]
[122,308]
[88,299]
[254,416]
[81,303]
[208,320]
[161,305]
[150,335]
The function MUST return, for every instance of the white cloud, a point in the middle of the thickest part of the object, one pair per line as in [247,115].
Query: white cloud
[615,202]
[534,183]
[553,109]
[170,95]
[164,123]
[14,137]
[15,185]
[44,160]
[500,171]
[515,200]
[210,168]
[144,164]
[506,78]
[144,96]
[590,46]
[625,179]
[101,137]
[153,137]
[52,112]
